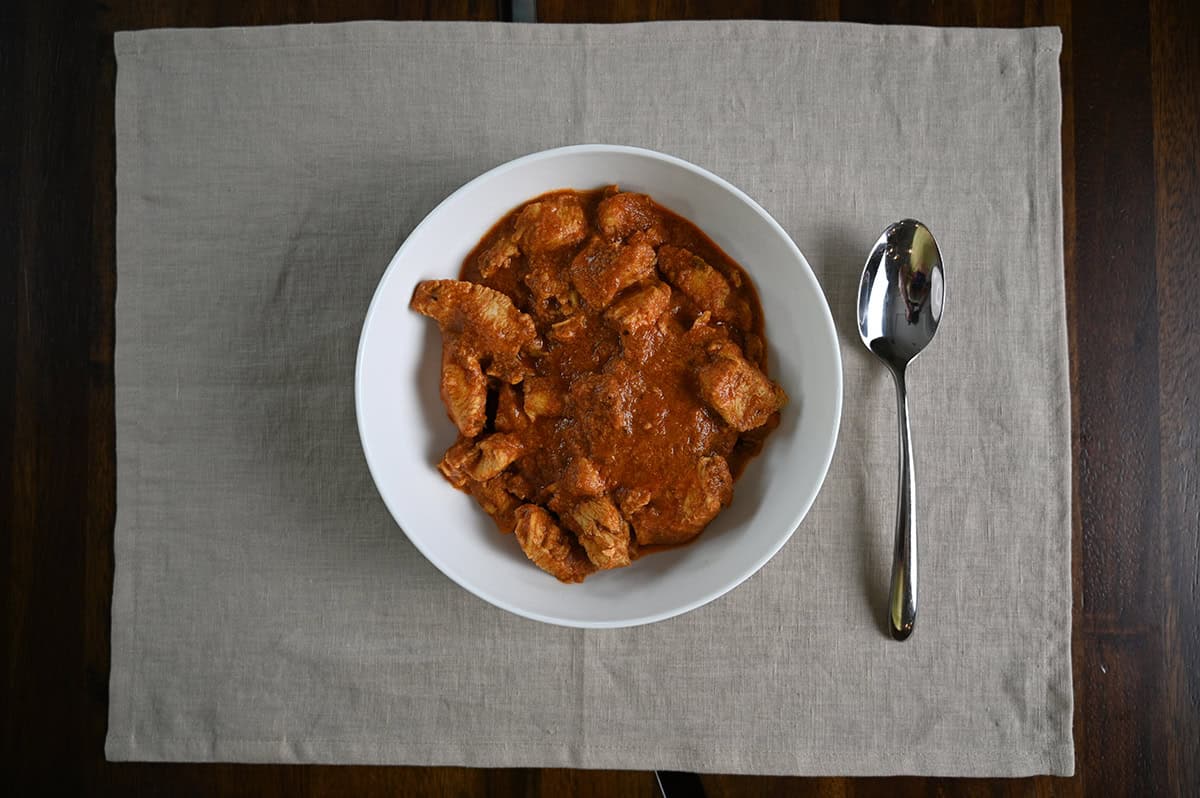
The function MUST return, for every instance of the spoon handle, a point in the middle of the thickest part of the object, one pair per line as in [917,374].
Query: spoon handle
[902,599]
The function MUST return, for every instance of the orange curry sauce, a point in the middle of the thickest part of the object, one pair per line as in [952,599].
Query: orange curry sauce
[615,423]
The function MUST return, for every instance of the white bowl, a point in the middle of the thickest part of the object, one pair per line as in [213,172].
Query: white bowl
[405,430]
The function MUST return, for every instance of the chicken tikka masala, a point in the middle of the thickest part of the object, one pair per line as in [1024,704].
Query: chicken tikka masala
[605,366]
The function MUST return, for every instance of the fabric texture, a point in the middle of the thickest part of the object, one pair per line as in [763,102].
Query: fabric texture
[267,609]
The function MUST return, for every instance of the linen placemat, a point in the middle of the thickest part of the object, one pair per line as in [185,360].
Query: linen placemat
[266,607]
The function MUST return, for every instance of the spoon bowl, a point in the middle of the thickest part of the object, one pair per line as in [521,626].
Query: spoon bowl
[901,293]
[899,308]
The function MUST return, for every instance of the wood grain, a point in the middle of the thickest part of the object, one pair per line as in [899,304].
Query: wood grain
[1131,172]
[1175,73]
[48,71]
[1120,622]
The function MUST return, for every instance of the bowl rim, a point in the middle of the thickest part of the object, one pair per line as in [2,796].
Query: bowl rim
[807,274]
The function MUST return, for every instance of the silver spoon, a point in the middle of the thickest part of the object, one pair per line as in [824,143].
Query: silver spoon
[899,307]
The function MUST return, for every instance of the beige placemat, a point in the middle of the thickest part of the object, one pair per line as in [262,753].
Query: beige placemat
[266,608]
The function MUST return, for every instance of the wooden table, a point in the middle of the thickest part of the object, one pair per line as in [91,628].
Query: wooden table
[1131,173]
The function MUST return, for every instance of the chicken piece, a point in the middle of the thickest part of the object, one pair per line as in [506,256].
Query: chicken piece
[549,547]
[542,398]
[708,493]
[704,338]
[602,403]
[692,275]
[743,396]
[630,500]
[755,348]
[581,478]
[620,215]
[497,502]
[641,309]
[478,323]
[518,485]
[547,283]
[602,530]
[602,269]
[464,460]
[455,461]
[479,461]
[653,235]
[549,224]
[685,508]
[464,391]
[702,284]
[509,415]
[496,453]
[497,256]
[568,328]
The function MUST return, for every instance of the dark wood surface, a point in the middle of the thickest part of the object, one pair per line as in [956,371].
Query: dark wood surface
[1131,145]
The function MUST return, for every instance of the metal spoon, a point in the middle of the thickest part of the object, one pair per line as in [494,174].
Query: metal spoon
[899,307]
